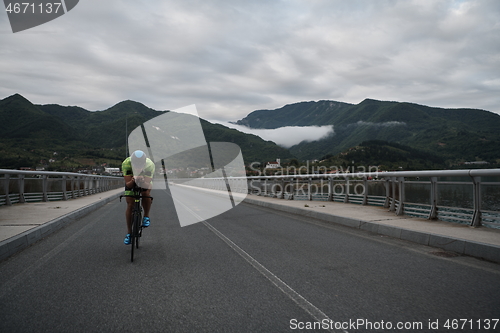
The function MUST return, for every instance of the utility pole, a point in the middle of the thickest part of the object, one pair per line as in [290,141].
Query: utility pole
[126,135]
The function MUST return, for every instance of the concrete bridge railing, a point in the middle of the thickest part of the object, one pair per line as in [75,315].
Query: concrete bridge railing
[465,196]
[19,186]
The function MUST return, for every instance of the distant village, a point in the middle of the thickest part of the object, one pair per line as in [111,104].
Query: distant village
[255,169]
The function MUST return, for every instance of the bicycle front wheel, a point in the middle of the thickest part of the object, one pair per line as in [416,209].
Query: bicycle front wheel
[134,236]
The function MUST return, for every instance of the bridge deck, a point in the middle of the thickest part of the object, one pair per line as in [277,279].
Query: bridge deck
[478,242]
[23,224]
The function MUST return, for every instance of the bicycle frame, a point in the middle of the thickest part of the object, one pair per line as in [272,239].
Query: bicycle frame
[136,219]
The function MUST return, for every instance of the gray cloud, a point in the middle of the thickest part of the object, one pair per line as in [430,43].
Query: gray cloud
[233,57]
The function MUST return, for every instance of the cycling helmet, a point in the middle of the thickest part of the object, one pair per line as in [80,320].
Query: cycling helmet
[138,159]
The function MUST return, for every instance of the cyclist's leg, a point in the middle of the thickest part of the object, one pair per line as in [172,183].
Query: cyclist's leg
[128,213]
[146,202]
[146,205]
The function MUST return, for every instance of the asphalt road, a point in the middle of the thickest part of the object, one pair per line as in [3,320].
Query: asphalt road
[247,270]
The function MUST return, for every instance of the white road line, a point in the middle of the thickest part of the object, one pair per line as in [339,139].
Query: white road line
[285,288]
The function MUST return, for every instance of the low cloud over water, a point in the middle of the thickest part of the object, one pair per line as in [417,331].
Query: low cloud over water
[286,136]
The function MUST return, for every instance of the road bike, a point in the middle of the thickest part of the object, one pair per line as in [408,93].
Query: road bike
[136,218]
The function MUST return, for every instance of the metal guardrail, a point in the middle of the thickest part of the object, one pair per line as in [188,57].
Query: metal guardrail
[397,191]
[35,186]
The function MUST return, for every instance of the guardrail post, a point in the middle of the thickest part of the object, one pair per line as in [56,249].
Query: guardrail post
[86,187]
[45,184]
[72,180]
[365,192]
[393,195]
[387,201]
[401,185]
[330,189]
[84,184]
[65,193]
[347,187]
[20,178]
[433,215]
[72,186]
[282,194]
[6,189]
[309,192]
[476,217]
[78,187]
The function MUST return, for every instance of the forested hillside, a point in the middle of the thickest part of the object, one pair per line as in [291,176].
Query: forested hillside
[454,134]
[69,137]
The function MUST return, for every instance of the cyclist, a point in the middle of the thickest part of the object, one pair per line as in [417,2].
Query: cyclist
[137,170]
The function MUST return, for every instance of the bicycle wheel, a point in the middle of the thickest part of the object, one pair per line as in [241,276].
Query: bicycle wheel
[134,239]
[138,229]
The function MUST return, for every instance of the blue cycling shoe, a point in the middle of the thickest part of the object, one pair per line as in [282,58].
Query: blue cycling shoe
[126,241]
[145,222]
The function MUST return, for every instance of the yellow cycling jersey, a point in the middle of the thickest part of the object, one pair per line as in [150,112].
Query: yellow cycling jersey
[148,170]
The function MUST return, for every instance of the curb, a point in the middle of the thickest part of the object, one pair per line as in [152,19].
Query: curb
[461,246]
[11,246]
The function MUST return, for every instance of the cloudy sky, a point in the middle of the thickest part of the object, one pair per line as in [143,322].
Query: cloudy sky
[232,57]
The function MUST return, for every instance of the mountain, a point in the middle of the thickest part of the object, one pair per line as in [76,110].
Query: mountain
[105,129]
[414,136]
[298,114]
[68,137]
[454,134]
[29,122]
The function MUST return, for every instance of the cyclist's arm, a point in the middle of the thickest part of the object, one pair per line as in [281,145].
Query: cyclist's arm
[147,179]
[127,173]
[129,181]
[143,181]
